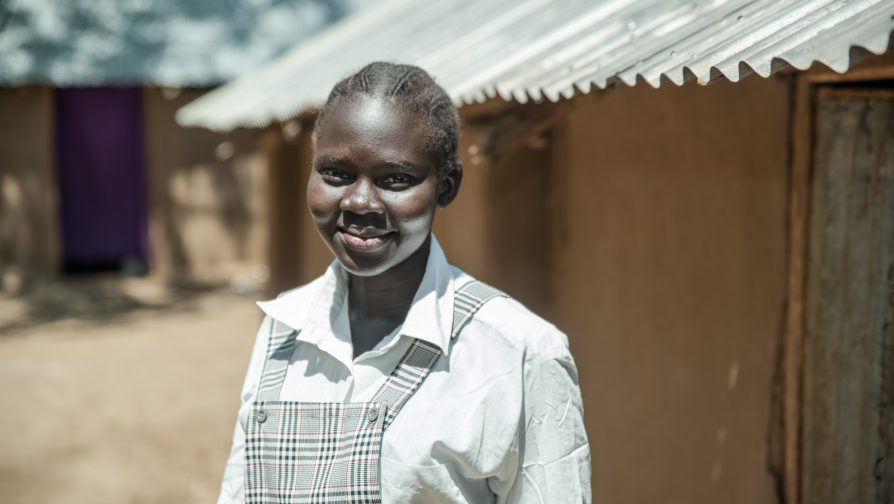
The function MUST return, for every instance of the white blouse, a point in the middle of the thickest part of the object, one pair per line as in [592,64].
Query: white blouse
[499,419]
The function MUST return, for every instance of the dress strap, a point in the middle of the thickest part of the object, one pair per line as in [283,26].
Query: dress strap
[279,353]
[417,363]
[467,300]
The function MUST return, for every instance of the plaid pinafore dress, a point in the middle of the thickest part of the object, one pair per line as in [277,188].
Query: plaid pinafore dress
[301,452]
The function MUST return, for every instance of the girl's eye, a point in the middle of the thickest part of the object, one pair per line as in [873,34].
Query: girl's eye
[336,176]
[397,181]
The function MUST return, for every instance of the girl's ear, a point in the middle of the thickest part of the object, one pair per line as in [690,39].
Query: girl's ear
[449,185]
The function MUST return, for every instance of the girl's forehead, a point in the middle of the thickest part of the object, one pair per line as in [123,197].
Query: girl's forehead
[371,112]
[374,127]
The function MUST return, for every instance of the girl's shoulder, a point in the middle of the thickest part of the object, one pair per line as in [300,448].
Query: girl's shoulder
[512,324]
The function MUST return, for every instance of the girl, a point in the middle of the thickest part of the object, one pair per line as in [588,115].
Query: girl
[395,377]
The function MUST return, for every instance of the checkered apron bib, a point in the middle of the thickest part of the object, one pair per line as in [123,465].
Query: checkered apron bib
[300,452]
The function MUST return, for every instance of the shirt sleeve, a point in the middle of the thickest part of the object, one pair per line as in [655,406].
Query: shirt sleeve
[554,455]
[232,488]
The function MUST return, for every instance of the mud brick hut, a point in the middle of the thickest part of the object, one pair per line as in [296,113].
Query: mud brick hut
[94,172]
[701,194]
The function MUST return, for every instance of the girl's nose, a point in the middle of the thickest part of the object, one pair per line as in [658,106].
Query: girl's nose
[362,197]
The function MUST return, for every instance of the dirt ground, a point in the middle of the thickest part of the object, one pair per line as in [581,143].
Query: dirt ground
[119,391]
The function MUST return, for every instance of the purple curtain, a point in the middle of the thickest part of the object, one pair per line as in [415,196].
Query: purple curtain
[102,179]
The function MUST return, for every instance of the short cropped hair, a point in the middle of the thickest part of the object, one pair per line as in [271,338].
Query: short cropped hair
[413,89]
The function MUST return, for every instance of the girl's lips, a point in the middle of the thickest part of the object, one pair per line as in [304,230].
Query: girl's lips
[364,244]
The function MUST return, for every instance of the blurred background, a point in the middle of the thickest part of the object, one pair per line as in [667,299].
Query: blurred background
[699,193]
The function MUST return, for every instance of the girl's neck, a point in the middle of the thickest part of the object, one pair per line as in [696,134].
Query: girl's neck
[390,293]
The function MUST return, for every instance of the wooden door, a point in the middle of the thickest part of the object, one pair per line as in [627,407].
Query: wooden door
[848,401]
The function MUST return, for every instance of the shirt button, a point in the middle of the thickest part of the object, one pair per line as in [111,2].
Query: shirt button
[260,416]
[372,414]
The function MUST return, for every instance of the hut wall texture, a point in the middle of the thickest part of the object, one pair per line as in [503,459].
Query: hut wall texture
[670,281]
[464,222]
[297,253]
[29,243]
[206,197]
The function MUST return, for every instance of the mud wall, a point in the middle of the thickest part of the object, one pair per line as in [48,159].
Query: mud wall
[29,244]
[207,198]
[670,279]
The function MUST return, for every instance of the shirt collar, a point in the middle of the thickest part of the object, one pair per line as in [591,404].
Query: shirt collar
[319,310]
[430,317]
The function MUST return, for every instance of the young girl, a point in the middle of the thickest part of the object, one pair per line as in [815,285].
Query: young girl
[395,377]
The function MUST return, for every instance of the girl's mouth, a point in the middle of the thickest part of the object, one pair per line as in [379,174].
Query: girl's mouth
[365,241]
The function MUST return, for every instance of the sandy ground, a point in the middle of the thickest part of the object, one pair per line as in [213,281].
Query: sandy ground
[119,391]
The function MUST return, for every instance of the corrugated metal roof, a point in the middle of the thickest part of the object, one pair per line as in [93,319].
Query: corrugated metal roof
[536,49]
[166,42]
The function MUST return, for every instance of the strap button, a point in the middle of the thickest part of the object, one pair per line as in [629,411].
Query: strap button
[372,414]
[260,416]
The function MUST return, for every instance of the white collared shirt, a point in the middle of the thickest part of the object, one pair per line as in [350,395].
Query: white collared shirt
[499,419]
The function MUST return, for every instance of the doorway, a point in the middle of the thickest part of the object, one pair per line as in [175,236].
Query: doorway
[101,171]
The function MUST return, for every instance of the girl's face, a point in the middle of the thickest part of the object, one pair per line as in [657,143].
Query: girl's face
[373,190]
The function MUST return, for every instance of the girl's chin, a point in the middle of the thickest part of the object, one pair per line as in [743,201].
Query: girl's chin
[366,262]
[364,268]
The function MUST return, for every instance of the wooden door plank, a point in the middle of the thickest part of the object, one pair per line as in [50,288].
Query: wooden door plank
[847,367]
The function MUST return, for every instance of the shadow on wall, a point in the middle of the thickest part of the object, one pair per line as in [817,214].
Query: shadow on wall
[28,241]
[206,198]
[16,236]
